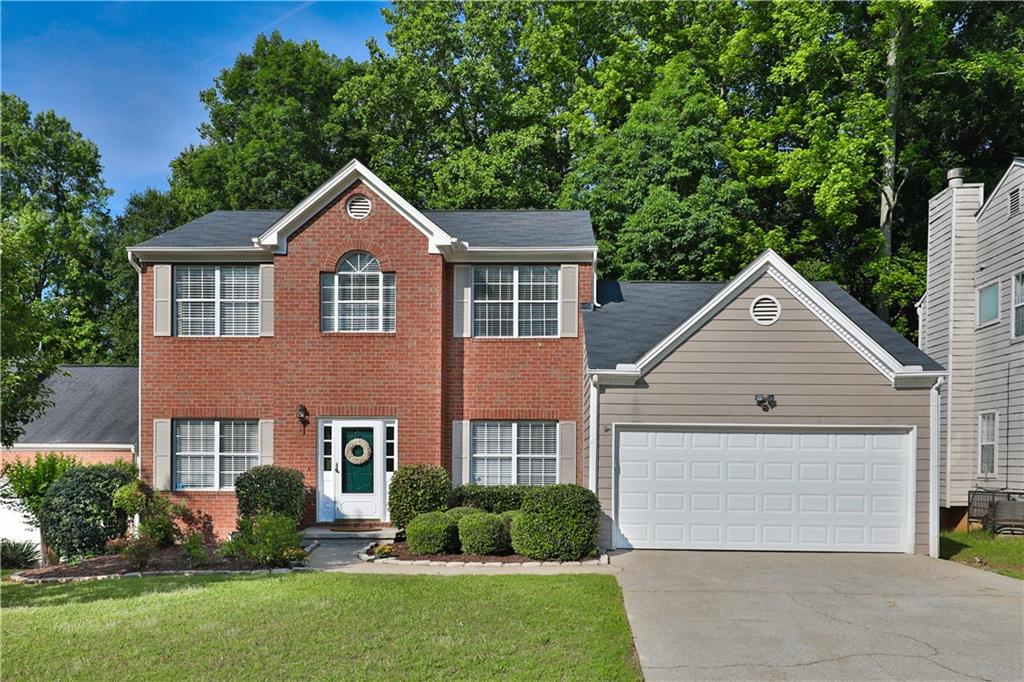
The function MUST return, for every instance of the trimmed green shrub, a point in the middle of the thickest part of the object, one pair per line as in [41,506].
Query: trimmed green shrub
[457,513]
[417,489]
[156,511]
[270,488]
[195,550]
[491,498]
[268,539]
[78,510]
[136,551]
[508,517]
[483,533]
[18,554]
[432,533]
[557,522]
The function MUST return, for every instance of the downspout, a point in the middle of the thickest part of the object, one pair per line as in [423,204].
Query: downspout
[933,469]
[592,445]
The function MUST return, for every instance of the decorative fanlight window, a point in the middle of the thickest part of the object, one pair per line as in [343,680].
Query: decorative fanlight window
[765,310]
[359,206]
[358,297]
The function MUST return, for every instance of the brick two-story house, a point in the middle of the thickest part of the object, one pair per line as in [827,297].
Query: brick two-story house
[355,333]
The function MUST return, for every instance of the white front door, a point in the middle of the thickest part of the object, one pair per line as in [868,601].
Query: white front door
[352,454]
[840,490]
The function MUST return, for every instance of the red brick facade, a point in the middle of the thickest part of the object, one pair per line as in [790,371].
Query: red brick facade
[420,374]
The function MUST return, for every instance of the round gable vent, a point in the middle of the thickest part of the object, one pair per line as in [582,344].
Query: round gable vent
[359,207]
[765,310]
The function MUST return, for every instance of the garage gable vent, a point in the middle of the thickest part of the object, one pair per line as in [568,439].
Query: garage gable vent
[765,310]
[359,207]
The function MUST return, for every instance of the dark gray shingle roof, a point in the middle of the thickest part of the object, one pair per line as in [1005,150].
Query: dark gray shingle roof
[480,228]
[91,404]
[635,316]
[532,228]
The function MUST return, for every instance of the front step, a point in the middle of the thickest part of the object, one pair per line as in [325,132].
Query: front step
[328,532]
[355,525]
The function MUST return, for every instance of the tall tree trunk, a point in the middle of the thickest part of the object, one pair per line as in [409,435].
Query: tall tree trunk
[893,91]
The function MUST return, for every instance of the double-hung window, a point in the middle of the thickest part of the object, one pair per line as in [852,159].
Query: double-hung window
[358,297]
[217,300]
[506,453]
[210,454]
[1018,305]
[988,303]
[515,300]
[988,423]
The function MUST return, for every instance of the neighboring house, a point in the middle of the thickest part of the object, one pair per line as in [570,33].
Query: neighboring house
[94,417]
[354,334]
[972,321]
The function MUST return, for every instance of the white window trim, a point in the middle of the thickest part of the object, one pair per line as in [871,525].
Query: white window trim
[515,301]
[217,487]
[1014,291]
[217,301]
[994,443]
[336,304]
[978,324]
[515,448]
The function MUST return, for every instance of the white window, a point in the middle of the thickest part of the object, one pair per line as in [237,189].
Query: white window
[217,300]
[506,453]
[515,300]
[210,454]
[1018,305]
[988,303]
[358,297]
[988,423]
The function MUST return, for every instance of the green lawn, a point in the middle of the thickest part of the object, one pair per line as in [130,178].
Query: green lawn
[319,625]
[1003,554]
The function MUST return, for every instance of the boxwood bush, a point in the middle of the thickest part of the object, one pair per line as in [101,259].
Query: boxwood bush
[483,533]
[490,498]
[458,512]
[78,510]
[557,522]
[508,517]
[270,488]
[433,533]
[417,489]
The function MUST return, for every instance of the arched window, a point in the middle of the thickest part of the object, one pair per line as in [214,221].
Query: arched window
[358,297]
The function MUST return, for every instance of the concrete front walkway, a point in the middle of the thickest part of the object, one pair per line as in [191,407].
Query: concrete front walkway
[739,615]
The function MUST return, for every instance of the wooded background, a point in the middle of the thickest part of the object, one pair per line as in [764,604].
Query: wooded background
[696,134]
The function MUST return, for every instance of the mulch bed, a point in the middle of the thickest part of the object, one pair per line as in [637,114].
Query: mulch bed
[163,559]
[401,552]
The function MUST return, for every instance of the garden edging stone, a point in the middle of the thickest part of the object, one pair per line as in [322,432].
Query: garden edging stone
[18,578]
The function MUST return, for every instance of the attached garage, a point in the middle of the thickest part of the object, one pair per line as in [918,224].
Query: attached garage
[823,489]
[766,413]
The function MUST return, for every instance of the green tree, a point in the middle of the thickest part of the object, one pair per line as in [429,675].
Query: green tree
[24,488]
[54,209]
[272,134]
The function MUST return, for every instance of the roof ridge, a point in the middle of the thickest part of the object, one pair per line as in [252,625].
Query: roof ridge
[505,210]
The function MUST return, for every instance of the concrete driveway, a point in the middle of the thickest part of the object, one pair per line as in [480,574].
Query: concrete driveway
[739,615]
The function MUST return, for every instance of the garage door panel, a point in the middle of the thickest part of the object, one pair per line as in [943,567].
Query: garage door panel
[819,491]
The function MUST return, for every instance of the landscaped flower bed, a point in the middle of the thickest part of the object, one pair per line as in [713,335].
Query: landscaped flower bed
[163,559]
[401,551]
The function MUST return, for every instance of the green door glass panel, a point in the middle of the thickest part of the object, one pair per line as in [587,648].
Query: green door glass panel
[357,478]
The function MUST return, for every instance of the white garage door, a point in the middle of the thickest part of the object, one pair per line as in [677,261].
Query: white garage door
[835,490]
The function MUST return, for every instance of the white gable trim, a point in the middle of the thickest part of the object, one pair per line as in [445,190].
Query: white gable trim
[276,236]
[1017,161]
[773,265]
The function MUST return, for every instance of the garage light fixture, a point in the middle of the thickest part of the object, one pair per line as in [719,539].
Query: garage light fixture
[765,401]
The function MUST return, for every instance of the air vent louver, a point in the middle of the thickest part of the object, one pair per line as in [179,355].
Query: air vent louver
[359,207]
[765,310]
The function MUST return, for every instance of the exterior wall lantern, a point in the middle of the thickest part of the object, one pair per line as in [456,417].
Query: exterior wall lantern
[303,415]
[765,401]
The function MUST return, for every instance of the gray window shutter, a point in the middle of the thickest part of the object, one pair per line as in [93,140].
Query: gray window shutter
[569,306]
[460,452]
[161,454]
[266,441]
[462,312]
[566,452]
[161,300]
[266,299]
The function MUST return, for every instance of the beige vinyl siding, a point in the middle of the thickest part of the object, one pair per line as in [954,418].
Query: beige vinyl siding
[999,360]
[816,377]
[961,414]
[940,223]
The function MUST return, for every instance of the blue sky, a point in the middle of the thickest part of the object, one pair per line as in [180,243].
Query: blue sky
[128,75]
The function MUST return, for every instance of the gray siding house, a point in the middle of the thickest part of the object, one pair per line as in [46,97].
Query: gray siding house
[972,321]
